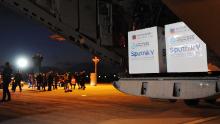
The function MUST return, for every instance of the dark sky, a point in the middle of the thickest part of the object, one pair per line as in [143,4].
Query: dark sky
[20,36]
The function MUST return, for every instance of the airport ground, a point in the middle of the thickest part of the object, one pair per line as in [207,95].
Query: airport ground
[100,105]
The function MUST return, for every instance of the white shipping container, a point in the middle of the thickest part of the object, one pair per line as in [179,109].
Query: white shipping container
[186,52]
[146,51]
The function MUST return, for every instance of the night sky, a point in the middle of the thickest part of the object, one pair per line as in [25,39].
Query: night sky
[21,36]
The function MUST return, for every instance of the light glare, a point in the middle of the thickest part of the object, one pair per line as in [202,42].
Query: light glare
[22,63]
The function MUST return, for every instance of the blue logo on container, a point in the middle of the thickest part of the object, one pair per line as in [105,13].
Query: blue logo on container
[145,53]
[172,40]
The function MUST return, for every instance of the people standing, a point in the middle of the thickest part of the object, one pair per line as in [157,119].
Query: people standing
[34,81]
[66,82]
[18,78]
[56,79]
[73,82]
[78,79]
[1,81]
[29,81]
[69,81]
[44,83]
[50,80]
[6,75]
[83,79]
[39,79]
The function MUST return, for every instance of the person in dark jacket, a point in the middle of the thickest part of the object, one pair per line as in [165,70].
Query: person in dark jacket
[50,81]
[6,75]
[39,79]
[56,79]
[18,79]
[78,80]
[83,80]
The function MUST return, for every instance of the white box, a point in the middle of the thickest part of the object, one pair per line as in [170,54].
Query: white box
[186,52]
[145,51]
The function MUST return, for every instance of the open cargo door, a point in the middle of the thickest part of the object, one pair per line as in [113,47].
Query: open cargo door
[202,16]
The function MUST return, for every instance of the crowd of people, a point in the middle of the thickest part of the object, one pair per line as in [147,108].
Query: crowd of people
[40,81]
[6,79]
[52,80]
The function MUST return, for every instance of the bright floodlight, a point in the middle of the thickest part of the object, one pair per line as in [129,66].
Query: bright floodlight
[22,63]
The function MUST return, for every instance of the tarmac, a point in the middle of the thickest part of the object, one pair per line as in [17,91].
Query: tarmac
[102,104]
